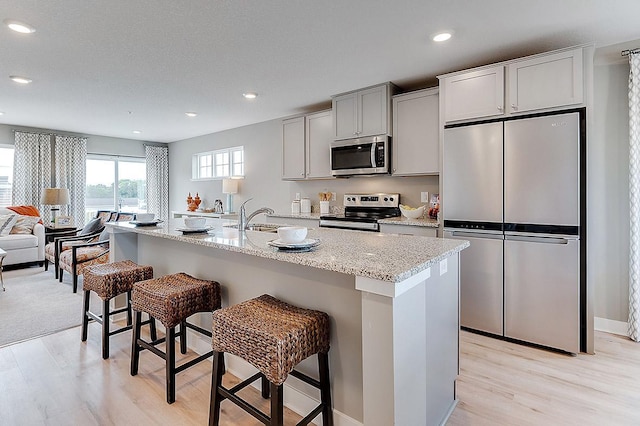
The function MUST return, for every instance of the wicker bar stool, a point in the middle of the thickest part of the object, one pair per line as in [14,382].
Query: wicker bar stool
[171,300]
[274,337]
[108,281]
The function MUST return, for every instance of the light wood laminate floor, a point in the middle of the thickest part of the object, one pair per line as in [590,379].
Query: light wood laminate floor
[57,380]
[502,383]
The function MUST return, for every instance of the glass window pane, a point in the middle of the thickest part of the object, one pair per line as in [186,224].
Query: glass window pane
[132,186]
[100,186]
[6,176]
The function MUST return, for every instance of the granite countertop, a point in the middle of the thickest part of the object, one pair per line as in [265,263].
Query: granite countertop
[400,220]
[386,257]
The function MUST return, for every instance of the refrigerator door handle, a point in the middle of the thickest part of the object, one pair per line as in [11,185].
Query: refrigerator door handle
[544,240]
[487,235]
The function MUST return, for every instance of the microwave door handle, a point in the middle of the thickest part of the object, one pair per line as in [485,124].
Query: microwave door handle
[373,155]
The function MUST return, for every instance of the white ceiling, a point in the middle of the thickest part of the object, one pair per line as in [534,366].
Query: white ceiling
[111,67]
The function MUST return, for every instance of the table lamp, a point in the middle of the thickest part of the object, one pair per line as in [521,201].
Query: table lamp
[55,197]
[229,187]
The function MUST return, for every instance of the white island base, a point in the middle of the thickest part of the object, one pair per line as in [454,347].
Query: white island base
[394,345]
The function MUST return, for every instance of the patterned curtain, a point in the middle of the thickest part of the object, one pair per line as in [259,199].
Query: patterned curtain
[634,196]
[157,158]
[31,169]
[71,173]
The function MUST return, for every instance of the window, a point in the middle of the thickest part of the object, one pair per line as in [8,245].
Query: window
[219,164]
[6,175]
[102,174]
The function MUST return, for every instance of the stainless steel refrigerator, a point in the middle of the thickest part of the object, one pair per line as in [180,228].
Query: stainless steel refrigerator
[513,189]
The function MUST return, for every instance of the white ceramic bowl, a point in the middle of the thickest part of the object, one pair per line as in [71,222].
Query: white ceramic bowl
[145,217]
[195,222]
[412,214]
[292,234]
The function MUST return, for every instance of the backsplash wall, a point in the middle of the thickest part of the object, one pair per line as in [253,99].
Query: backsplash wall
[263,165]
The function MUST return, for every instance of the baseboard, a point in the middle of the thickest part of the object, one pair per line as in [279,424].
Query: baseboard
[294,400]
[611,326]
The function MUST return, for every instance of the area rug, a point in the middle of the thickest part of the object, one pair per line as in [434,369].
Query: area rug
[35,304]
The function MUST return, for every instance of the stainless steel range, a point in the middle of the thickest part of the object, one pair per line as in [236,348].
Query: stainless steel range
[362,212]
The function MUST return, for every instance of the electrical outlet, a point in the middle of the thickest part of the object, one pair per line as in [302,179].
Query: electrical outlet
[424,197]
[333,196]
[297,196]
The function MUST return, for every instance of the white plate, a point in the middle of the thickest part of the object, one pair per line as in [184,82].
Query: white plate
[309,242]
[145,223]
[194,230]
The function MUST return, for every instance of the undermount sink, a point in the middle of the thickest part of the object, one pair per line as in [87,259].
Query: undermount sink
[258,227]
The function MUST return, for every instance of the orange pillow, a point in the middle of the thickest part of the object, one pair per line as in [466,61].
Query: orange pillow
[26,211]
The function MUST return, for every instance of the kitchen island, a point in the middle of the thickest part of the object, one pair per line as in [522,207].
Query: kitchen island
[392,299]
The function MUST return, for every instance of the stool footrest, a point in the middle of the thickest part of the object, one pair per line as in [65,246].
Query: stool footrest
[312,415]
[196,328]
[193,362]
[151,347]
[255,412]
[308,380]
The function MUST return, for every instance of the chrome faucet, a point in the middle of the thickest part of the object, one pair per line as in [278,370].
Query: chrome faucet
[243,220]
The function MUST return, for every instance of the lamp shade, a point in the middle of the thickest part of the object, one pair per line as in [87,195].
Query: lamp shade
[55,196]
[229,186]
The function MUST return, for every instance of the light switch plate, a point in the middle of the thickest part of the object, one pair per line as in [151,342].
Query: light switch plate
[333,196]
[424,197]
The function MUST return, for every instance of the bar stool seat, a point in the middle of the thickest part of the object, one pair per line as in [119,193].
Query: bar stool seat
[274,337]
[171,299]
[108,281]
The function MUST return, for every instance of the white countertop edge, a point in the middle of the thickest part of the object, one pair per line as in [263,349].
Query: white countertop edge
[296,258]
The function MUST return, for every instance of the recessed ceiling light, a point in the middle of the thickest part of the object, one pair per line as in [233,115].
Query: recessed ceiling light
[191,114]
[19,27]
[1,112]
[250,95]
[137,132]
[21,80]
[444,36]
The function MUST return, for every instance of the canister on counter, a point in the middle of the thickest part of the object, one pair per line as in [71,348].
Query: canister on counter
[295,207]
[305,205]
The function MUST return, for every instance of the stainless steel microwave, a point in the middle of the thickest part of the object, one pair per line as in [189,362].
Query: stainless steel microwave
[362,156]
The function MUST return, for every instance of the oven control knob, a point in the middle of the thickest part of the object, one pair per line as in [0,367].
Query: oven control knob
[391,199]
[386,199]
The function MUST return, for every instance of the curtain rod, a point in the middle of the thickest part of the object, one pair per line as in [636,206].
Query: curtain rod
[629,52]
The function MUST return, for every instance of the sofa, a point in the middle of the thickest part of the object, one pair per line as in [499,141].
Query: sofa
[23,248]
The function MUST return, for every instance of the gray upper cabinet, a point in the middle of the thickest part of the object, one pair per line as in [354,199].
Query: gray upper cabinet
[305,146]
[541,82]
[293,154]
[319,135]
[415,133]
[549,81]
[474,94]
[362,113]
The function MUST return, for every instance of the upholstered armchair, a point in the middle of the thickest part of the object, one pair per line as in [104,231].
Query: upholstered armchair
[82,254]
[63,241]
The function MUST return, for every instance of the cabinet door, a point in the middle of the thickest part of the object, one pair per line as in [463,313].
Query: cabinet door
[546,82]
[345,116]
[293,148]
[319,128]
[373,110]
[416,133]
[474,94]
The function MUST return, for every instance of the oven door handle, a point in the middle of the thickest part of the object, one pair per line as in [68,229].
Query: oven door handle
[346,224]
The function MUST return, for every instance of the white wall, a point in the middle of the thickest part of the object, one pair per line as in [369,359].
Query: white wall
[263,164]
[608,202]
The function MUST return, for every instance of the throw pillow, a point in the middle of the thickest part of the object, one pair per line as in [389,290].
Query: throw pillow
[104,236]
[24,224]
[26,211]
[93,226]
[6,223]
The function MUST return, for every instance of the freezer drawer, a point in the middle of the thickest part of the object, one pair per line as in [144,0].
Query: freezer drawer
[542,291]
[481,283]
